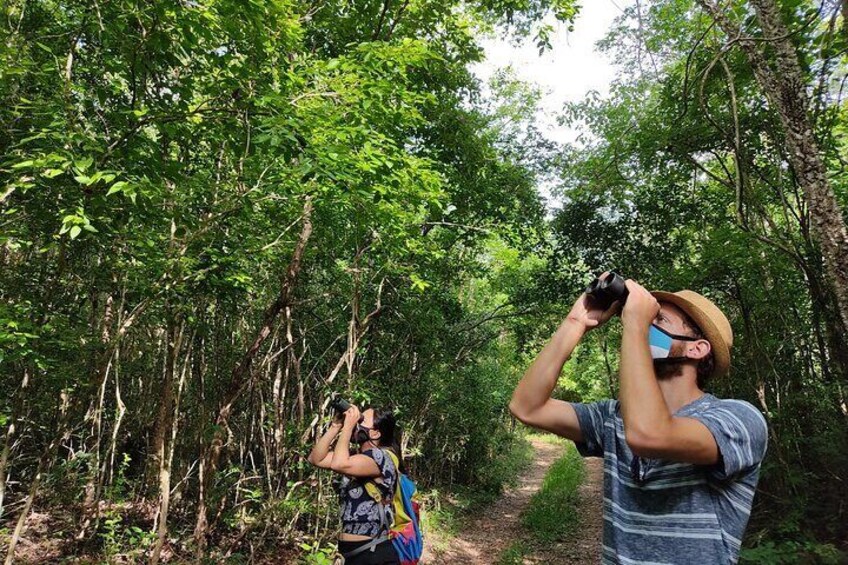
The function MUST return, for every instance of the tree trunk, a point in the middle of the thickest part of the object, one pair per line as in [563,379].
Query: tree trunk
[91,503]
[10,436]
[241,376]
[164,424]
[784,85]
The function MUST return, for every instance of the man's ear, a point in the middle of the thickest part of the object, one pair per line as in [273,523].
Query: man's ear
[698,349]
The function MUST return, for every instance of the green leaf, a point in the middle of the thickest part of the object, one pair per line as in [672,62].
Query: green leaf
[75,231]
[119,186]
[84,163]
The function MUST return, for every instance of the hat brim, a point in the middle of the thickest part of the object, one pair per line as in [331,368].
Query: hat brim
[720,348]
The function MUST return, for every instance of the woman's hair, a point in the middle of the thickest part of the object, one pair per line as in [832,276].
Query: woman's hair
[390,432]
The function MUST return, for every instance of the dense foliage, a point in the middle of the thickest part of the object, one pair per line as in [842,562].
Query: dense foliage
[214,214]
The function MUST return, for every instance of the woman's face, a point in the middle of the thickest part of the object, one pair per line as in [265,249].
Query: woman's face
[368,423]
[368,418]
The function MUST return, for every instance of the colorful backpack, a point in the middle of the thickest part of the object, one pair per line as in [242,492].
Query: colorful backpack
[405,532]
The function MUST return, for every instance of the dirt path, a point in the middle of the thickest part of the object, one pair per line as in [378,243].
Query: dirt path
[499,525]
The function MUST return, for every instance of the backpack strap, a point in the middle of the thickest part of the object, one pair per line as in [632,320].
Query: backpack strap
[382,501]
[371,480]
[370,546]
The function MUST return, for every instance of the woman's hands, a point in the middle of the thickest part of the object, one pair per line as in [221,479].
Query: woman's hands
[352,417]
[321,455]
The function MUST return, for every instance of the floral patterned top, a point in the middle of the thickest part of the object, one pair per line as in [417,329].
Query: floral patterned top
[359,511]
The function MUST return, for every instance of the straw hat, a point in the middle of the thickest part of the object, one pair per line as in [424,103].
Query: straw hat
[712,322]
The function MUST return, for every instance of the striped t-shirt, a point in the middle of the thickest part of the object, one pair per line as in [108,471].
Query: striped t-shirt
[658,511]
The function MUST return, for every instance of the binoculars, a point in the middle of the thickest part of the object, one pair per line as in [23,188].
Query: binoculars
[339,405]
[603,291]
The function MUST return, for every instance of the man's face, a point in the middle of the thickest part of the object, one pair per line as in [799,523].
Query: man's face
[672,319]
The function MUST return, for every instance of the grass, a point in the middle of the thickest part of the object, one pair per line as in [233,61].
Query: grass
[546,438]
[514,554]
[553,511]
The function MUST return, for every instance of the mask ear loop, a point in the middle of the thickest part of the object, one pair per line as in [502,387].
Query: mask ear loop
[677,337]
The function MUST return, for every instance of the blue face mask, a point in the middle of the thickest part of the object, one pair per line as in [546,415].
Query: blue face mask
[660,342]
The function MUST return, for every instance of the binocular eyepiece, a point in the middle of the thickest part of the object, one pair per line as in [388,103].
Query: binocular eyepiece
[603,291]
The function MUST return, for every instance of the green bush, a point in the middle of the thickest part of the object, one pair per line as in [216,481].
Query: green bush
[791,552]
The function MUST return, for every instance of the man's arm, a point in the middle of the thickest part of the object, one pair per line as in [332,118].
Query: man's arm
[531,402]
[649,427]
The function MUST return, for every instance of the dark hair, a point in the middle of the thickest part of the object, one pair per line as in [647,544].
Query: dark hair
[706,366]
[390,433]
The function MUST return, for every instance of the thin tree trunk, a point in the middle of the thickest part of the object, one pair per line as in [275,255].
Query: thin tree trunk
[44,460]
[241,376]
[120,411]
[91,503]
[164,424]
[10,436]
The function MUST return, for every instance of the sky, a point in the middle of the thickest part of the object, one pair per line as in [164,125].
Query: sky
[566,72]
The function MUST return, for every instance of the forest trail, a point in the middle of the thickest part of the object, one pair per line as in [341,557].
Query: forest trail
[499,525]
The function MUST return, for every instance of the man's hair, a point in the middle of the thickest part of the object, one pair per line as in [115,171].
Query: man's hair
[707,364]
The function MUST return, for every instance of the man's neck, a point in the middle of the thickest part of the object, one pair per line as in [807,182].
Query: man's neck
[679,391]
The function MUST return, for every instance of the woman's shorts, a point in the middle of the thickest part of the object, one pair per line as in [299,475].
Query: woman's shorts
[383,554]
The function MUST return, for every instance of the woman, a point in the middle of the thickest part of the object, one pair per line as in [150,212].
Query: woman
[365,522]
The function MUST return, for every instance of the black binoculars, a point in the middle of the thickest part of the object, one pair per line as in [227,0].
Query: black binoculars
[603,291]
[340,405]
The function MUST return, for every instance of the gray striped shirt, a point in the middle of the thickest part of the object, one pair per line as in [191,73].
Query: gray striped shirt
[658,511]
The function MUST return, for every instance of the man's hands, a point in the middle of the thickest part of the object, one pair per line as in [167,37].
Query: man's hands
[584,314]
[641,307]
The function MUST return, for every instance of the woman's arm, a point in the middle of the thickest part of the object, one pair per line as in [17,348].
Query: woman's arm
[321,456]
[345,463]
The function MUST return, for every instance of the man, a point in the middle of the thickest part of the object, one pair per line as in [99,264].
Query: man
[680,466]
